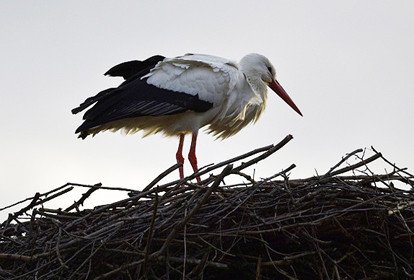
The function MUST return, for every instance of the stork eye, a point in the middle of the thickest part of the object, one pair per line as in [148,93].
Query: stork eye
[269,69]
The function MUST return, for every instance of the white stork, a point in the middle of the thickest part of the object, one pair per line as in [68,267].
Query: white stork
[180,95]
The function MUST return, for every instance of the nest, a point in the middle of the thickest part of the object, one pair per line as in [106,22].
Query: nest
[346,224]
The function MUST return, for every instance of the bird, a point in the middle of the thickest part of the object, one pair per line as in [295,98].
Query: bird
[180,95]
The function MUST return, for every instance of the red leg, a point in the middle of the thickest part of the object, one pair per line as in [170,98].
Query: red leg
[179,156]
[192,155]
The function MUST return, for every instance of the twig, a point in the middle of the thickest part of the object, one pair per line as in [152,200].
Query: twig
[161,176]
[356,165]
[345,158]
[83,198]
[150,231]
[265,154]
[181,224]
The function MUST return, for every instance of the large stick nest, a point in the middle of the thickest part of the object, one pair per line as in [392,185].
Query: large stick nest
[346,224]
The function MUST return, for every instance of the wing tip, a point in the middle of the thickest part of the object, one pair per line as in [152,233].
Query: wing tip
[123,69]
[82,133]
[76,110]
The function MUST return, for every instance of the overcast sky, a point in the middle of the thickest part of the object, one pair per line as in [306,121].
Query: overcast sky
[348,65]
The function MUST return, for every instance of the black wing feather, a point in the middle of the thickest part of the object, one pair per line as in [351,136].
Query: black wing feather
[130,68]
[89,101]
[138,98]
[129,71]
[135,98]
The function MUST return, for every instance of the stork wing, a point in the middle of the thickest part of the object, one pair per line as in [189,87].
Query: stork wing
[137,98]
[211,78]
[158,86]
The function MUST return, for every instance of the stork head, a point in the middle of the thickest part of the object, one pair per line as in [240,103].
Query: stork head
[258,67]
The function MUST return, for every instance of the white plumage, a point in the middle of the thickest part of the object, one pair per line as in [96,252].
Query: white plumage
[180,95]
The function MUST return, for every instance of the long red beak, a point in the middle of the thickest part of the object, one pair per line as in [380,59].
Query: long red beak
[276,87]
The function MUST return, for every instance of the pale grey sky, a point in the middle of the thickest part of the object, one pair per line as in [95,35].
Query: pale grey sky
[347,65]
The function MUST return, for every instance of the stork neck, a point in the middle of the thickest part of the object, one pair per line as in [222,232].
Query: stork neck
[258,86]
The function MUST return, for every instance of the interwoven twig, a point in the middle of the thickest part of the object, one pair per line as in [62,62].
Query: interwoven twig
[349,223]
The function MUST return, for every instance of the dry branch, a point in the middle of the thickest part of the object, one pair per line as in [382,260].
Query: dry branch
[349,223]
